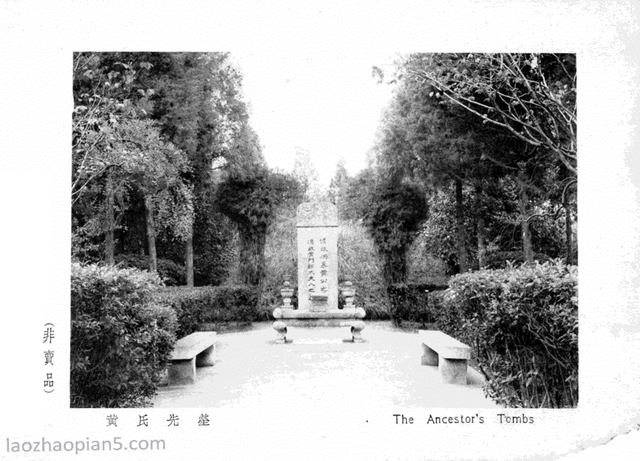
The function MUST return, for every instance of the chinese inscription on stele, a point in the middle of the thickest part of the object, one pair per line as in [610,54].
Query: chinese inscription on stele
[317,267]
[317,225]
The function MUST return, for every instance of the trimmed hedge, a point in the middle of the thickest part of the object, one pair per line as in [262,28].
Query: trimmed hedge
[198,305]
[171,273]
[522,323]
[121,336]
[413,302]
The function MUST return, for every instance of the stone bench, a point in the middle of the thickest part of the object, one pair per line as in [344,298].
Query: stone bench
[448,353]
[197,349]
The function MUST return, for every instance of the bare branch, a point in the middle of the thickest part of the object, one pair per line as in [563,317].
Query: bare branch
[522,113]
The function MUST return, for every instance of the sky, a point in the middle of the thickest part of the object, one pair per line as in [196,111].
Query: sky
[326,102]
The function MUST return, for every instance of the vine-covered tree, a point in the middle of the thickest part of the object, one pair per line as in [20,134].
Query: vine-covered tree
[251,202]
[395,216]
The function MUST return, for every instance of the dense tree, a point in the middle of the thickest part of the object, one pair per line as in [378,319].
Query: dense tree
[150,131]
[530,95]
[101,102]
[502,226]
[358,195]
[439,147]
[428,138]
[155,168]
[199,106]
[532,98]
[116,149]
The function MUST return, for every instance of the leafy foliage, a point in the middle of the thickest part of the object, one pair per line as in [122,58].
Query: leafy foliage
[119,155]
[436,233]
[198,104]
[213,248]
[170,273]
[502,229]
[414,302]
[522,324]
[195,306]
[358,195]
[121,336]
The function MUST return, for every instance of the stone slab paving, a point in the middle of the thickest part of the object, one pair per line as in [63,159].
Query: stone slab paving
[318,369]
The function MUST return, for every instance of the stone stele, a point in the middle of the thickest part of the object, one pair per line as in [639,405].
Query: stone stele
[317,229]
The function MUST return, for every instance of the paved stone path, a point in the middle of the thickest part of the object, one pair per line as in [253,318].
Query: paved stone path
[318,369]
[320,398]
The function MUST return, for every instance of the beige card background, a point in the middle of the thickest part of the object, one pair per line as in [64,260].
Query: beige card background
[35,87]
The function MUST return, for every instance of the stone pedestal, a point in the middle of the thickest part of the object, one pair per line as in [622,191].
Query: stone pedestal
[356,329]
[348,292]
[294,318]
[287,293]
[281,329]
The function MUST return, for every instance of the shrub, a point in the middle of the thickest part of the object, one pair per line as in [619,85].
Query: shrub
[412,303]
[121,336]
[85,245]
[172,274]
[523,326]
[497,259]
[198,305]
[376,312]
